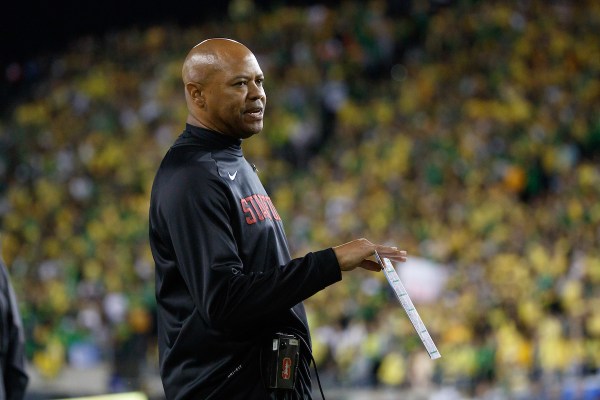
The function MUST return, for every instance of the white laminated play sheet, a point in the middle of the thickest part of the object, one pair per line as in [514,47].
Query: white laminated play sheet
[404,299]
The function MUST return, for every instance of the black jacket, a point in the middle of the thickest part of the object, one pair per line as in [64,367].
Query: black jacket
[12,342]
[224,277]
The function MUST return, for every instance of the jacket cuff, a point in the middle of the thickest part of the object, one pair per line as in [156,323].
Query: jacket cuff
[328,266]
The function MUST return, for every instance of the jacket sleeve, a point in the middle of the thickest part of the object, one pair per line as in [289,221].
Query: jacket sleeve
[200,228]
[15,376]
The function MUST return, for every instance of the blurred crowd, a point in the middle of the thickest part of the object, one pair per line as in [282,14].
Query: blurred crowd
[469,136]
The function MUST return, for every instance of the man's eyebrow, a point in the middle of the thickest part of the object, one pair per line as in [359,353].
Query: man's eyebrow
[261,76]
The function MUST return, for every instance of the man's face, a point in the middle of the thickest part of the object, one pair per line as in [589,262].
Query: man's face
[235,97]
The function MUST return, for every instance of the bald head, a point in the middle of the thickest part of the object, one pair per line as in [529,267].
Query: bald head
[209,56]
[223,87]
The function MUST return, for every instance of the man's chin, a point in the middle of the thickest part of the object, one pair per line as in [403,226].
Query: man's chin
[251,131]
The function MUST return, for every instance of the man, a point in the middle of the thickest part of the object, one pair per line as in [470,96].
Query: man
[12,342]
[225,282]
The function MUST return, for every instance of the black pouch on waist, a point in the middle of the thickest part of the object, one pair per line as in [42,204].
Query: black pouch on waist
[282,361]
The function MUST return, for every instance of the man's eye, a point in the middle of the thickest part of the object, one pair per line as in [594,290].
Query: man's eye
[259,82]
[241,83]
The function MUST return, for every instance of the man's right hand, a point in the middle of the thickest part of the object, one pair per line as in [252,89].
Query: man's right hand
[357,253]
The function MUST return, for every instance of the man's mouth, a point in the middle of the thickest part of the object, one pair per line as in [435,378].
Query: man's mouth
[255,113]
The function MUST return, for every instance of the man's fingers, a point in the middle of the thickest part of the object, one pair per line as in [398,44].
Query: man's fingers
[370,265]
[397,258]
[392,253]
[361,253]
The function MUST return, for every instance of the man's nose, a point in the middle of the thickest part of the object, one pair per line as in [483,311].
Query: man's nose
[255,91]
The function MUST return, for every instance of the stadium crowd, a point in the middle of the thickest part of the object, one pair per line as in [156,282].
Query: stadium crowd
[469,136]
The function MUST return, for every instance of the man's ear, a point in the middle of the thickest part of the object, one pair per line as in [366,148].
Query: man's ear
[195,93]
